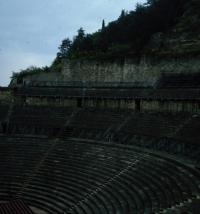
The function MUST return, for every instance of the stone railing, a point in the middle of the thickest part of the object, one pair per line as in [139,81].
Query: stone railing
[83,84]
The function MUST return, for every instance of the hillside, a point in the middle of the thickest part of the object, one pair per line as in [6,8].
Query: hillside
[159,28]
[182,39]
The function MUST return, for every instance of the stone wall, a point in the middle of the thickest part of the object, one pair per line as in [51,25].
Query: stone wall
[144,72]
[170,106]
[143,105]
[43,77]
[5,96]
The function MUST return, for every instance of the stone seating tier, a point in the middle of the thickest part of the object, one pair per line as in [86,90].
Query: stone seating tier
[87,177]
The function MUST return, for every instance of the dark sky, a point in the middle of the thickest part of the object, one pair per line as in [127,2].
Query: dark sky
[31,30]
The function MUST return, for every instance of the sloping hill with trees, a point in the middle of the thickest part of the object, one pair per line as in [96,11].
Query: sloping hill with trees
[136,32]
[161,28]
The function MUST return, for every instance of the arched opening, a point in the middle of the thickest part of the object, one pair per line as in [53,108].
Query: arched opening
[137,104]
[3,127]
[79,103]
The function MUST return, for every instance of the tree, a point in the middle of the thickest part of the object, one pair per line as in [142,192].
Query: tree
[130,33]
[81,34]
[64,48]
[123,14]
[78,42]
[103,25]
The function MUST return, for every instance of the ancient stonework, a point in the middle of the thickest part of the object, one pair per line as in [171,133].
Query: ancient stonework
[144,73]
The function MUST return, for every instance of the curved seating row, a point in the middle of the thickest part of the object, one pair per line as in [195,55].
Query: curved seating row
[38,120]
[87,178]
[174,133]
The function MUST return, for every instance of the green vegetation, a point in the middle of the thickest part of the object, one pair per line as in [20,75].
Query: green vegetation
[29,71]
[128,35]
[156,27]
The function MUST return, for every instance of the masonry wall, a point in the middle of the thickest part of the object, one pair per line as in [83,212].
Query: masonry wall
[5,97]
[144,105]
[143,72]
[44,77]
[171,106]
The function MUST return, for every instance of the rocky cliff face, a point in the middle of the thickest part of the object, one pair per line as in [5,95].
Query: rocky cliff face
[94,71]
[144,73]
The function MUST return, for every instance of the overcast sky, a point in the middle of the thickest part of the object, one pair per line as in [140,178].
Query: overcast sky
[31,30]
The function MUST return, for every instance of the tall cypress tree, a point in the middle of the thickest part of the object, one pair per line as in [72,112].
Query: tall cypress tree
[103,25]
